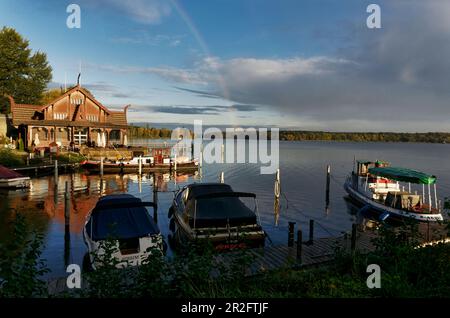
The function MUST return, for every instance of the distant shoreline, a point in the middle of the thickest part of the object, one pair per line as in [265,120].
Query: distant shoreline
[297,135]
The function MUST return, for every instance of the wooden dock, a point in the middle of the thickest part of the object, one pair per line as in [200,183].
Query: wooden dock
[323,250]
[320,251]
[46,168]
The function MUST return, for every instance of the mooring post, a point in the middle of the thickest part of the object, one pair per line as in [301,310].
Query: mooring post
[222,177]
[299,246]
[291,234]
[155,198]
[66,224]
[327,195]
[140,165]
[175,163]
[311,231]
[353,243]
[56,171]
[101,166]
[67,207]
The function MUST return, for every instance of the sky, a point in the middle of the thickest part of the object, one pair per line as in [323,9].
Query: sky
[310,65]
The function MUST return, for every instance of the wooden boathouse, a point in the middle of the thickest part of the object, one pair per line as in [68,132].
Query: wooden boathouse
[75,118]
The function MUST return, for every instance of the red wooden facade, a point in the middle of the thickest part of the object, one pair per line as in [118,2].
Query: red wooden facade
[75,118]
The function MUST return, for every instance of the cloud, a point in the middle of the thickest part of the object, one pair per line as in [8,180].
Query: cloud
[195,110]
[394,78]
[169,73]
[142,11]
[142,37]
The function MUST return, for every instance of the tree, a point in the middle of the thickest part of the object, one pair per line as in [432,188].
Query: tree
[23,75]
[50,95]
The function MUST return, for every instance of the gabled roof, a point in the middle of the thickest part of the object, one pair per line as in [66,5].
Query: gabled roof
[75,89]
[25,113]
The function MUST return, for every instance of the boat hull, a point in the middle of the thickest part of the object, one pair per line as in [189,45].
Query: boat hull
[381,208]
[221,239]
[94,167]
[15,183]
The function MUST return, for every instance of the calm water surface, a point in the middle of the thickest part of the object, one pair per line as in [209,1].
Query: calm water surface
[302,165]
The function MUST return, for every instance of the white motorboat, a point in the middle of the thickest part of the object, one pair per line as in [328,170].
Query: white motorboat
[125,220]
[376,185]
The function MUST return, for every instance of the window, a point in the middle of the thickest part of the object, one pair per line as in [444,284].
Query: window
[60,116]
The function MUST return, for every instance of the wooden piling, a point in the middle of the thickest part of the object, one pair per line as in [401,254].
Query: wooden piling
[299,246]
[56,171]
[311,231]
[327,193]
[175,163]
[67,206]
[101,166]
[140,165]
[291,234]
[353,242]
[222,177]
[155,198]
[66,224]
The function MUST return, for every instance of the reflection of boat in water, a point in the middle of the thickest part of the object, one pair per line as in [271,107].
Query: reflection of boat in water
[148,164]
[215,213]
[11,179]
[376,186]
[124,219]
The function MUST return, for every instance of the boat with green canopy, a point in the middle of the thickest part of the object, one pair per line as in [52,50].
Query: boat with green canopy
[377,185]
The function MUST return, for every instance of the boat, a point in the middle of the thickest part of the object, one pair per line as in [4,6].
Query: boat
[12,179]
[147,164]
[376,185]
[124,219]
[215,213]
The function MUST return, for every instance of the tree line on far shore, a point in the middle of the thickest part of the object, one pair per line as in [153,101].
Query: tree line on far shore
[286,135]
[431,137]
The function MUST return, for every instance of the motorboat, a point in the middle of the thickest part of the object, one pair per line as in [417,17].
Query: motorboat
[216,213]
[12,179]
[126,221]
[145,163]
[377,185]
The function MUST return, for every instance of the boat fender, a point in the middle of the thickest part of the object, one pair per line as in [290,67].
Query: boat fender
[384,216]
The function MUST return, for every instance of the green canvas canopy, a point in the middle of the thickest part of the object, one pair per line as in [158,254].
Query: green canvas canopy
[403,174]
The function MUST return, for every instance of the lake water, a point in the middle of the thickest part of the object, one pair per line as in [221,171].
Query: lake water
[303,178]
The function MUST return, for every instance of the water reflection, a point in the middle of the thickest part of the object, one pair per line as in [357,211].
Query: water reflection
[303,170]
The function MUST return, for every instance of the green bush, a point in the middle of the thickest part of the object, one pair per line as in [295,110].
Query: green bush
[9,158]
[21,266]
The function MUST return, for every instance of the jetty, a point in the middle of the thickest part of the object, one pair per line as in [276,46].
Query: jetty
[306,254]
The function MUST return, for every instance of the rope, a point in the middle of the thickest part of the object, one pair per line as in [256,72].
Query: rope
[327,229]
